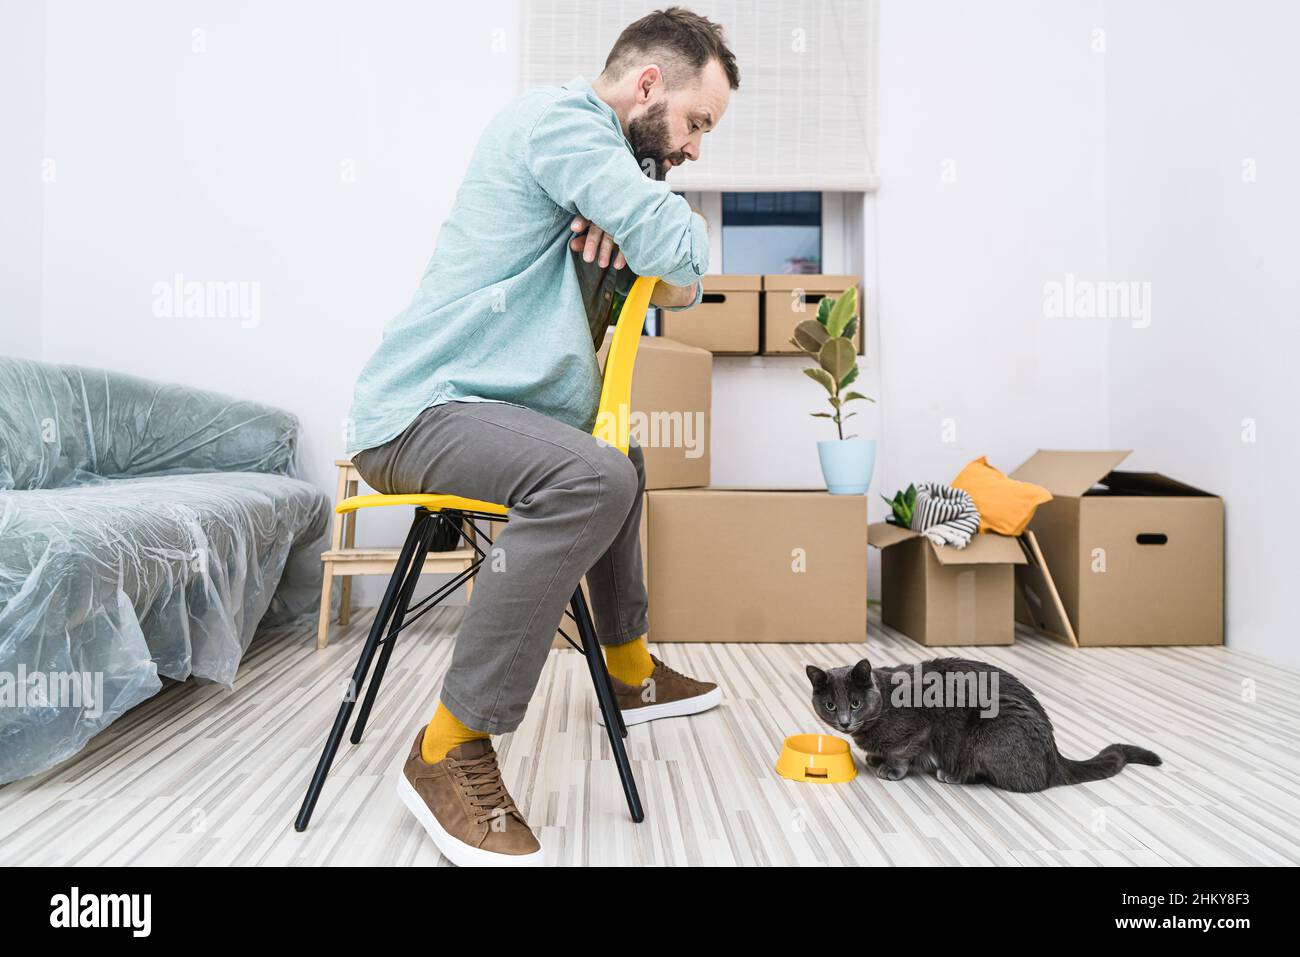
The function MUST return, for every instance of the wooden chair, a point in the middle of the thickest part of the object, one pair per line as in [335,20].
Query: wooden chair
[343,560]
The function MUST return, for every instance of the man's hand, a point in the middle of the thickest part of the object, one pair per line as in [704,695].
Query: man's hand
[594,243]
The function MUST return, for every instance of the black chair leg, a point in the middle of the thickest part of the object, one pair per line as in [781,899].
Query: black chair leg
[614,726]
[382,616]
[399,616]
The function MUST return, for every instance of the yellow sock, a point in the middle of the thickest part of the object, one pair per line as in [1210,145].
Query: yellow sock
[630,663]
[445,731]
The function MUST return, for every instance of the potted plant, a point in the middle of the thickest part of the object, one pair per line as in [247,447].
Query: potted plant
[847,461]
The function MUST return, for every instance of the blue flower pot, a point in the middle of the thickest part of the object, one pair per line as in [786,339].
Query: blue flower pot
[847,465]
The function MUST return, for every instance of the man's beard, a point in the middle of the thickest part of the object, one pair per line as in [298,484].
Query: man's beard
[651,142]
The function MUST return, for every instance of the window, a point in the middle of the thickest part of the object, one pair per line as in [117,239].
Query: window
[771,233]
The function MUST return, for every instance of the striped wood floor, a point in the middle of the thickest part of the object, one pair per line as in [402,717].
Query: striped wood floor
[199,775]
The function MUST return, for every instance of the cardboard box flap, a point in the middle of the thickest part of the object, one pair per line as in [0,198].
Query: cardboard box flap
[1068,473]
[984,549]
[884,534]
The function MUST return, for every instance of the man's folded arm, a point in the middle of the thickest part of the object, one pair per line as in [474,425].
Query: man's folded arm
[584,165]
[665,295]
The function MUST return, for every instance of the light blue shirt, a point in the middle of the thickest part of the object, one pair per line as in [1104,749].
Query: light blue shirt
[500,314]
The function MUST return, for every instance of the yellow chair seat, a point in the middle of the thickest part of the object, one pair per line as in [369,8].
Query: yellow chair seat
[434,503]
[611,417]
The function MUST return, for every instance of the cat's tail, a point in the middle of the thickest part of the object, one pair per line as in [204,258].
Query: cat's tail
[1108,762]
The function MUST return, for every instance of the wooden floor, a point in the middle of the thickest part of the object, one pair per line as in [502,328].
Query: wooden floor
[199,775]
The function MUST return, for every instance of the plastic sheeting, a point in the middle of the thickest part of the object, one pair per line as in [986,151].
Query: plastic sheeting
[145,530]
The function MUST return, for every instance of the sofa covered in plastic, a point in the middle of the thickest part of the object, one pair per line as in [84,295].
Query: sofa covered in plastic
[146,531]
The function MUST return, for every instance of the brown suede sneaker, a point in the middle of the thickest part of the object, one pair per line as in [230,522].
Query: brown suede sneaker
[665,694]
[464,805]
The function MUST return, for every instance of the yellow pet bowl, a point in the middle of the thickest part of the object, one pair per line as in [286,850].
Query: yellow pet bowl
[816,757]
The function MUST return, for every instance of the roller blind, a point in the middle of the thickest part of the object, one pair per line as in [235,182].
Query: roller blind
[804,116]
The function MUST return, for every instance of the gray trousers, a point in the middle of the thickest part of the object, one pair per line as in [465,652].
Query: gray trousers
[575,510]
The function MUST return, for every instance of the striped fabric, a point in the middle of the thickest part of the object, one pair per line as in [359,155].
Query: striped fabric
[945,515]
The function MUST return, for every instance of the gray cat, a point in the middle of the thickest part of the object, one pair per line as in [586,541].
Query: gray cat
[968,721]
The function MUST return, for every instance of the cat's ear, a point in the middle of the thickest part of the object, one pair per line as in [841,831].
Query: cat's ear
[861,673]
[817,677]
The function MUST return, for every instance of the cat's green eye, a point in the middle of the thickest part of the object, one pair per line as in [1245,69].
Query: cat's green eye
[828,705]
[855,705]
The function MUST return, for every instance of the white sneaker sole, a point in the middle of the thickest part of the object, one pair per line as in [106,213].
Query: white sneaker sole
[669,709]
[454,849]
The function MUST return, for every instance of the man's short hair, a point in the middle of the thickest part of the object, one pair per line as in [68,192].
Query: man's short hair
[679,41]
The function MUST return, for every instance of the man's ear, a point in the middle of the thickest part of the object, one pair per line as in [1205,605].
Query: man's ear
[646,81]
[861,674]
[817,677]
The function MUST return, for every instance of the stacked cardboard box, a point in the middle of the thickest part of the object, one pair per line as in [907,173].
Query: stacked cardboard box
[757,565]
[726,564]
[755,315]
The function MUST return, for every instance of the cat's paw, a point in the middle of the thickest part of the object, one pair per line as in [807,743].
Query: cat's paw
[891,772]
[945,778]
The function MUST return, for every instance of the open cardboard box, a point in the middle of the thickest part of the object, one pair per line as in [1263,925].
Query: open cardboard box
[1136,557]
[940,595]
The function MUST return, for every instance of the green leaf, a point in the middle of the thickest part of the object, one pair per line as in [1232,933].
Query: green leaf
[837,357]
[822,376]
[851,329]
[850,378]
[857,395]
[824,310]
[843,310]
[810,337]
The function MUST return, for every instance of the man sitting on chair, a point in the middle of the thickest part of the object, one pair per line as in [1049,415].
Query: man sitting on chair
[486,387]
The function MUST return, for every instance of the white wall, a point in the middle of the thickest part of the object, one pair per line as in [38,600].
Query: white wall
[221,155]
[22,59]
[992,164]
[1198,93]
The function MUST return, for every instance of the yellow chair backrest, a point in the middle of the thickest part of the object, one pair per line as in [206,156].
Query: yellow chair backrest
[613,416]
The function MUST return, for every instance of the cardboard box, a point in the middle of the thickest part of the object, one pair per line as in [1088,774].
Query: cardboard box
[757,566]
[672,395]
[785,306]
[726,320]
[940,595]
[1137,558]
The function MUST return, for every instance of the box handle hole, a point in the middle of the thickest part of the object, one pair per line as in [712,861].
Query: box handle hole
[714,297]
[1152,538]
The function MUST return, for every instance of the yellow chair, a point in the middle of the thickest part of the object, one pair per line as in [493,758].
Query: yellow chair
[396,611]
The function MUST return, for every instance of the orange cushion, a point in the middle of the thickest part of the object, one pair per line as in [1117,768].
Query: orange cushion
[1005,505]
